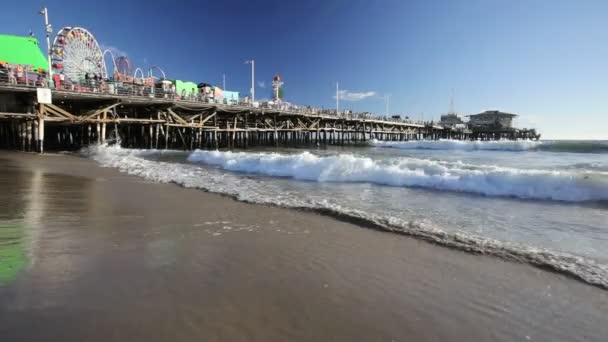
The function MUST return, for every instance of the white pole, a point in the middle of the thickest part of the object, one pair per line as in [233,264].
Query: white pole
[252,81]
[388,99]
[224,79]
[48,29]
[337,98]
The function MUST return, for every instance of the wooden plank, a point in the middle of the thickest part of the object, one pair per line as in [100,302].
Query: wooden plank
[136,120]
[27,115]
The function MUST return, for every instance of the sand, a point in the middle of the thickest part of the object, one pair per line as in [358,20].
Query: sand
[111,257]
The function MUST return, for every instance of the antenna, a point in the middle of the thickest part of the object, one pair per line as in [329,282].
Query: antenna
[224,80]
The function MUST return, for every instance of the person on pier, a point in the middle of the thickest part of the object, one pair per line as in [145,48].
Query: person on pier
[12,79]
[41,81]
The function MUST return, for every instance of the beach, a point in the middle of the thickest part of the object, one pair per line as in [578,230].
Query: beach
[100,255]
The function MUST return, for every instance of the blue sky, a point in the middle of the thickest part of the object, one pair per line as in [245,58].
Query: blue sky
[544,59]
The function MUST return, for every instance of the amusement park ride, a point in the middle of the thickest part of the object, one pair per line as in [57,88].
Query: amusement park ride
[77,56]
[76,53]
[123,66]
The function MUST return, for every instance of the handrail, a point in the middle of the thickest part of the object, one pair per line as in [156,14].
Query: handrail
[117,88]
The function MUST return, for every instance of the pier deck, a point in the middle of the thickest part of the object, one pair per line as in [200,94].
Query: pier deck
[139,118]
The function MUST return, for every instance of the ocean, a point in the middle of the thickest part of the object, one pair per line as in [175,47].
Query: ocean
[543,203]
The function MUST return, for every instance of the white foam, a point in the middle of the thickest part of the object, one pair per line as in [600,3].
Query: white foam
[135,163]
[413,172]
[499,145]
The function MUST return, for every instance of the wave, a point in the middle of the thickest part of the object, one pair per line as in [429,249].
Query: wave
[136,162]
[575,146]
[567,186]
[499,145]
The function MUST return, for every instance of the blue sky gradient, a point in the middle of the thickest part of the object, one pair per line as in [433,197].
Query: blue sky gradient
[544,59]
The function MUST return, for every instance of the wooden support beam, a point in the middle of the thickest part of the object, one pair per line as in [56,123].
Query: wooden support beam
[100,111]
[55,114]
[207,118]
[177,117]
[315,124]
[60,112]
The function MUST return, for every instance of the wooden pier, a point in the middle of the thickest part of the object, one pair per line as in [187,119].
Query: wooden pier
[76,119]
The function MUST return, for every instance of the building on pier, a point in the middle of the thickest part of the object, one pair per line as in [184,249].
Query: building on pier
[451,120]
[495,125]
[491,119]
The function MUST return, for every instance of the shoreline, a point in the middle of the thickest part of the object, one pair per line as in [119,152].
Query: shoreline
[299,265]
[571,265]
[575,269]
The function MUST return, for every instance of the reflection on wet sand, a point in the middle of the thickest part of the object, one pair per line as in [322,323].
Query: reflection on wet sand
[109,257]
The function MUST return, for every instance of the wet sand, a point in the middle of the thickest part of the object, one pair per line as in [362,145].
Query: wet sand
[91,254]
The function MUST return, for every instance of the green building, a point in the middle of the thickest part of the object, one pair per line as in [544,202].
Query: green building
[184,88]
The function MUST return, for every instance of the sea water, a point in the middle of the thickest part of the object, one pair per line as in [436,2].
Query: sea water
[540,202]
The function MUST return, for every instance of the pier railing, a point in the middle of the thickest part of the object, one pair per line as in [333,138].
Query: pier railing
[139,90]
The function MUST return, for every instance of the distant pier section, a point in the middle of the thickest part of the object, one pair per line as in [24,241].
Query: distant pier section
[489,125]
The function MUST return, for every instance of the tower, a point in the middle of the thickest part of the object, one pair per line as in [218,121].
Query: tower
[277,91]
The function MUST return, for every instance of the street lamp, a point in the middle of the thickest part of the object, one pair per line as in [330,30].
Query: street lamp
[48,30]
[337,98]
[387,99]
[252,62]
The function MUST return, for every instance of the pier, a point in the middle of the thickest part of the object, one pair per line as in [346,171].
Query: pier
[141,117]
[70,99]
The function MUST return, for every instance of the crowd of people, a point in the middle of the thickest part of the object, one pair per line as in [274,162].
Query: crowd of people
[22,74]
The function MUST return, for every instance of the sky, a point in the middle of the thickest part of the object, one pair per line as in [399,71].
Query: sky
[546,60]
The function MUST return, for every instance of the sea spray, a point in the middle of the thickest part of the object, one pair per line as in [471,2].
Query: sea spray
[135,162]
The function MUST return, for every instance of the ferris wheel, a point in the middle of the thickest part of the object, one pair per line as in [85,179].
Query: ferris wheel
[75,52]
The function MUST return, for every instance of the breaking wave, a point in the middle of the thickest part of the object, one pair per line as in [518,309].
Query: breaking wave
[138,162]
[570,186]
[499,145]
[571,146]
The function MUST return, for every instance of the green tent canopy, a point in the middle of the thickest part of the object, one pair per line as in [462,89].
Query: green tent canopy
[22,50]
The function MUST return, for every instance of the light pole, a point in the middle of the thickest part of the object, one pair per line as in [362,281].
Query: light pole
[48,30]
[337,98]
[387,99]
[252,62]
